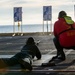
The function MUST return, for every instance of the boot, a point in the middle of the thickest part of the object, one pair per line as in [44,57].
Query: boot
[25,65]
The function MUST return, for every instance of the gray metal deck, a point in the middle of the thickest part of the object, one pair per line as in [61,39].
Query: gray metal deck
[10,45]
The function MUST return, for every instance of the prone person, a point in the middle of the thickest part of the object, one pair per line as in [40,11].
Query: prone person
[24,58]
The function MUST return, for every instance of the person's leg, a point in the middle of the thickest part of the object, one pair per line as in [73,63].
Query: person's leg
[17,59]
[60,52]
[2,64]
[13,60]
[26,64]
[7,62]
[57,45]
[24,60]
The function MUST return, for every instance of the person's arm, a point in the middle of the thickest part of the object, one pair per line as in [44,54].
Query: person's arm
[54,31]
[38,53]
[23,48]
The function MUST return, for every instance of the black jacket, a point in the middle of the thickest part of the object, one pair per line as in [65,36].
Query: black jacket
[32,50]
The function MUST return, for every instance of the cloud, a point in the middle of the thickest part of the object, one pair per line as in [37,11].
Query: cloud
[33,9]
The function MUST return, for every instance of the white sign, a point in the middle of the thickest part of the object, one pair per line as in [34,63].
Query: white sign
[17,14]
[47,12]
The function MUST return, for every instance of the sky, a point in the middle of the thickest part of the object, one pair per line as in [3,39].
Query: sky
[33,10]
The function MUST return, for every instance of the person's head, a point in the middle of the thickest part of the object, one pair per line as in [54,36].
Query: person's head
[62,14]
[30,41]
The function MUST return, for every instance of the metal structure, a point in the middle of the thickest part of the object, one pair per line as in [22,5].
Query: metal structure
[47,16]
[17,19]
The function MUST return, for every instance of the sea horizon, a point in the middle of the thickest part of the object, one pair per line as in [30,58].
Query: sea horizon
[26,28]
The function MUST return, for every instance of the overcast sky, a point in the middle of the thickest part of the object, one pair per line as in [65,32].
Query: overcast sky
[33,10]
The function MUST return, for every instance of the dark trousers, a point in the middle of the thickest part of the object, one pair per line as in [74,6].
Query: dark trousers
[16,58]
[58,47]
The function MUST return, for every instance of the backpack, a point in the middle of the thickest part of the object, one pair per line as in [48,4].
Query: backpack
[68,20]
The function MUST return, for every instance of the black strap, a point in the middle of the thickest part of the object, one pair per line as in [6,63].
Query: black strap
[67,30]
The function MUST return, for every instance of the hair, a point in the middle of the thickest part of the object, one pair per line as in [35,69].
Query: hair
[30,41]
[62,14]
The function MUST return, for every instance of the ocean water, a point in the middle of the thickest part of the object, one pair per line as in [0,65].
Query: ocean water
[30,28]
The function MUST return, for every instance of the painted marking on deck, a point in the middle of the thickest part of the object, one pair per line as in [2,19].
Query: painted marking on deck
[45,58]
[68,52]
[8,43]
[51,51]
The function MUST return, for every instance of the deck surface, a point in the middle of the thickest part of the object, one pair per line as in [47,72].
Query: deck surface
[9,46]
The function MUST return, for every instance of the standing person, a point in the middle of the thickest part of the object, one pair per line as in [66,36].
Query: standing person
[64,35]
[24,58]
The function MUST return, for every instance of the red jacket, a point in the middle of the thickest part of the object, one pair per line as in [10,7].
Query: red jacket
[65,33]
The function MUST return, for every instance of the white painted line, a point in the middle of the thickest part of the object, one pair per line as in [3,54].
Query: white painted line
[9,51]
[12,43]
[8,43]
[68,52]
[45,58]
[5,37]
[6,56]
[51,51]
